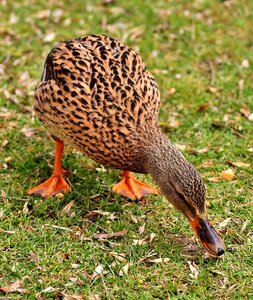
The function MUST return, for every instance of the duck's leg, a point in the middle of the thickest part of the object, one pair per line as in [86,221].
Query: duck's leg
[132,188]
[56,183]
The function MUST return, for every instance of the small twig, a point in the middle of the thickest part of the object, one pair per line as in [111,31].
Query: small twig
[58,227]
[15,198]
[7,231]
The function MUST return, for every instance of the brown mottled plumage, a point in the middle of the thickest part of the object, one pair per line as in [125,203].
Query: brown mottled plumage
[97,95]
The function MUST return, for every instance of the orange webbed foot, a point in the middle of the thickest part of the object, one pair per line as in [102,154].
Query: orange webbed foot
[56,183]
[132,188]
[52,186]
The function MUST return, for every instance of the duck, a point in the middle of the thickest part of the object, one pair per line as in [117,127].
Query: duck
[97,95]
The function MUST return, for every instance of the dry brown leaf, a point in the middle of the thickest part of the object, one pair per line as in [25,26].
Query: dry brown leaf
[214,90]
[245,111]
[101,236]
[193,268]
[224,223]
[124,270]
[203,107]
[29,132]
[152,236]
[67,208]
[14,287]
[119,256]
[133,219]
[227,174]
[141,229]
[239,164]
[244,225]
[3,194]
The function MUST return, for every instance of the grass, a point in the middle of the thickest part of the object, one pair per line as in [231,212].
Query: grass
[201,55]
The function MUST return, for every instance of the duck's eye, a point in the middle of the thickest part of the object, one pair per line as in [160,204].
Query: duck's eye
[188,204]
[181,196]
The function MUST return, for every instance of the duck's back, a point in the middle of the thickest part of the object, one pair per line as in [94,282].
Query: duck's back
[96,94]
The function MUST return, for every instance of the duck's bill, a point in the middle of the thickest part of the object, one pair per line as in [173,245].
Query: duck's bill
[208,236]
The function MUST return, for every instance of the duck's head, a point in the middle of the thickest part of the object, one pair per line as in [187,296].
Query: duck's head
[182,185]
[188,196]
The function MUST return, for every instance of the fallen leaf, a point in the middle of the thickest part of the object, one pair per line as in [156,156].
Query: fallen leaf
[124,270]
[119,256]
[133,219]
[194,271]
[152,236]
[3,194]
[245,111]
[67,208]
[25,208]
[224,223]
[214,90]
[244,225]
[203,107]
[99,270]
[14,287]
[227,174]
[29,132]
[98,236]
[141,229]
[75,266]
[239,164]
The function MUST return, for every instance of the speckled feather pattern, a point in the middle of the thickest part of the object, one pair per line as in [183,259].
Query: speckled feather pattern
[97,95]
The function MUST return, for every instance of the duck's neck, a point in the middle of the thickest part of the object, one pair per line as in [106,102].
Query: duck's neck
[164,160]
[176,177]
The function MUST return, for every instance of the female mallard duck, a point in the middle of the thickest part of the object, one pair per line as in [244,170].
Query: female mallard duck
[96,94]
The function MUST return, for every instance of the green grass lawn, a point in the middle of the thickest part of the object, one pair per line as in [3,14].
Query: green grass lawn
[201,54]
